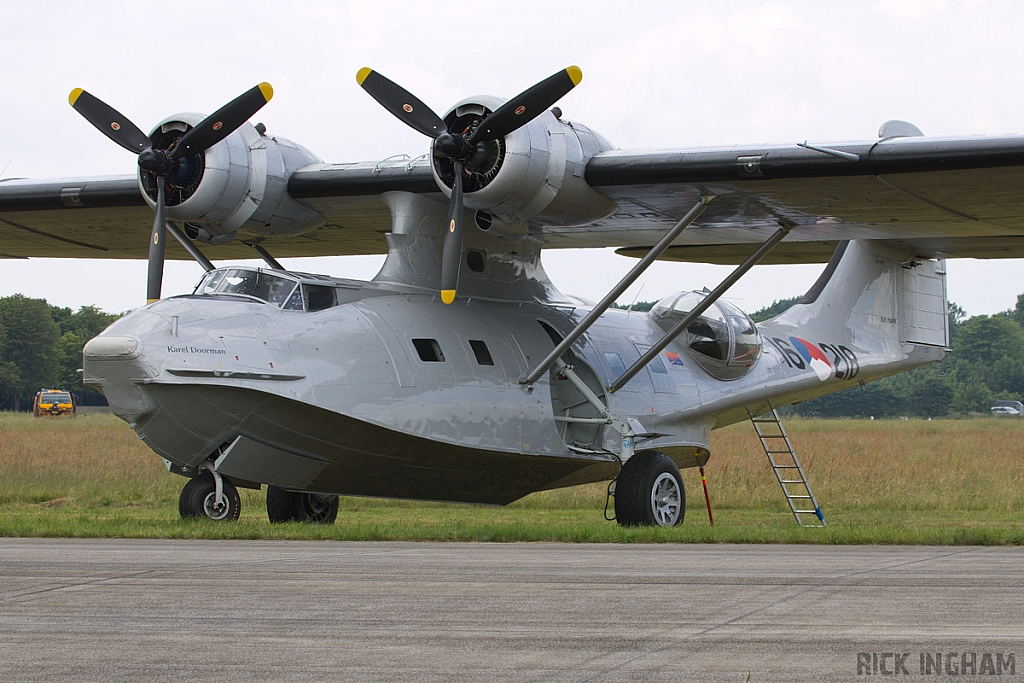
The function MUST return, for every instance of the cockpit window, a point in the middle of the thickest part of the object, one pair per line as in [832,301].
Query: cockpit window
[261,284]
[723,340]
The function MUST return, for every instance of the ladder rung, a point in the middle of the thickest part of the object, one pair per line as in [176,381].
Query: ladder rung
[785,467]
[790,495]
[776,452]
[792,481]
[806,512]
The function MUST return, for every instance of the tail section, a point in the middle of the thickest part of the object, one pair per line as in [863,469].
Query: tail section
[878,296]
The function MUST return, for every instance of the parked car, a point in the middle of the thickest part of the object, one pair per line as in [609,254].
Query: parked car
[1008,408]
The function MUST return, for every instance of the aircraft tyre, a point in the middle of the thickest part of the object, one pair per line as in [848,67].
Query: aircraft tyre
[199,499]
[649,491]
[291,506]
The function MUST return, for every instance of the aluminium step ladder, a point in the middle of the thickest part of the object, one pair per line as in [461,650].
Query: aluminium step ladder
[787,468]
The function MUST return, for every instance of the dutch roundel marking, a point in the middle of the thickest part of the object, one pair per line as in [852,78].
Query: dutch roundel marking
[115,125]
[218,125]
[673,358]
[520,109]
[814,357]
[407,108]
[800,353]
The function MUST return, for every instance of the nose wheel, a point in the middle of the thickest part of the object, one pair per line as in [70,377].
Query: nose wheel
[203,497]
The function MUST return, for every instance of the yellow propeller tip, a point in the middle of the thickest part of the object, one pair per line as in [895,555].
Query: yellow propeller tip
[73,97]
[267,90]
[362,74]
[447,295]
[575,74]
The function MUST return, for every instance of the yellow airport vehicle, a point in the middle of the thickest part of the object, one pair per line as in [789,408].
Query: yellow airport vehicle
[53,403]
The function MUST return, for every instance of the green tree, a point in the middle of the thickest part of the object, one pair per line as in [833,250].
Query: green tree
[1018,311]
[9,375]
[31,347]
[932,395]
[639,306]
[76,329]
[957,316]
[985,339]
[971,395]
[777,307]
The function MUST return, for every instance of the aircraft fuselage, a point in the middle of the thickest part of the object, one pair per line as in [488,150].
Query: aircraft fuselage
[389,392]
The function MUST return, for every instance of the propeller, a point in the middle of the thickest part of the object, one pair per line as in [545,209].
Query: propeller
[459,146]
[165,163]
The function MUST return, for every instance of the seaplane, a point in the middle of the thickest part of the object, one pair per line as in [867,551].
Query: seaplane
[460,372]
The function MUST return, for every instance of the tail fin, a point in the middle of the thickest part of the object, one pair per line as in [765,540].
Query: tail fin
[876,294]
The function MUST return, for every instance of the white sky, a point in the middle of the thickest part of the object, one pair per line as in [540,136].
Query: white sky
[656,75]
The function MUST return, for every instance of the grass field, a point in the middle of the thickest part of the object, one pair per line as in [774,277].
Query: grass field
[937,482]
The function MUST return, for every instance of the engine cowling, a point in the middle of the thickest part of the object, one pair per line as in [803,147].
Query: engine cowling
[534,173]
[238,184]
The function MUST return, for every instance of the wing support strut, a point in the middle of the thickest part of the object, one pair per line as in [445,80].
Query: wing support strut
[190,247]
[839,154]
[699,309]
[265,255]
[638,270]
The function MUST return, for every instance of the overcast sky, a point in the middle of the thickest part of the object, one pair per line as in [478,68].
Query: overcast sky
[655,75]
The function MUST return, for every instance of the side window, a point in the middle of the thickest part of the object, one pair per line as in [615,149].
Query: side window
[659,374]
[318,297]
[429,350]
[483,355]
[615,364]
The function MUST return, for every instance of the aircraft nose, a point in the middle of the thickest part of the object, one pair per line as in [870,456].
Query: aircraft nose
[115,364]
[111,347]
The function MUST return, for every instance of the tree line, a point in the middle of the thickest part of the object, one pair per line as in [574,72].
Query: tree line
[41,348]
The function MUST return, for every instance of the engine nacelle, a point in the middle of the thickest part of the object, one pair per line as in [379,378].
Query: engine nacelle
[534,173]
[241,183]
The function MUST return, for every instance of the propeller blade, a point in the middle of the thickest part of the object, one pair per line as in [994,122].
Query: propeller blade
[224,121]
[109,121]
[156,243]
[527,105]
[401,103]
[451,257]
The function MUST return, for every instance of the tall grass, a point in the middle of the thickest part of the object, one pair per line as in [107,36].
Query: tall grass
[85,460]
[877,481]
[938,465]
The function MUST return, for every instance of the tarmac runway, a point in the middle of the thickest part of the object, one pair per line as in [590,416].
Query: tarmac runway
[129,610]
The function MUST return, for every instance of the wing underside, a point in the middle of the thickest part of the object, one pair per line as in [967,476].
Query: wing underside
[946,197]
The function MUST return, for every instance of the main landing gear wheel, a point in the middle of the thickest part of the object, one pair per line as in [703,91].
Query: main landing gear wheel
[199,499]
[291,506]
[649,491]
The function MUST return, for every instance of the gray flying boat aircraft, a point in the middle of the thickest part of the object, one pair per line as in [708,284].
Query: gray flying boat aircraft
[460,373]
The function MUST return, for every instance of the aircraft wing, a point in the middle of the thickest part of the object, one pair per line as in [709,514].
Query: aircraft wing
[959,197]
[106,217]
